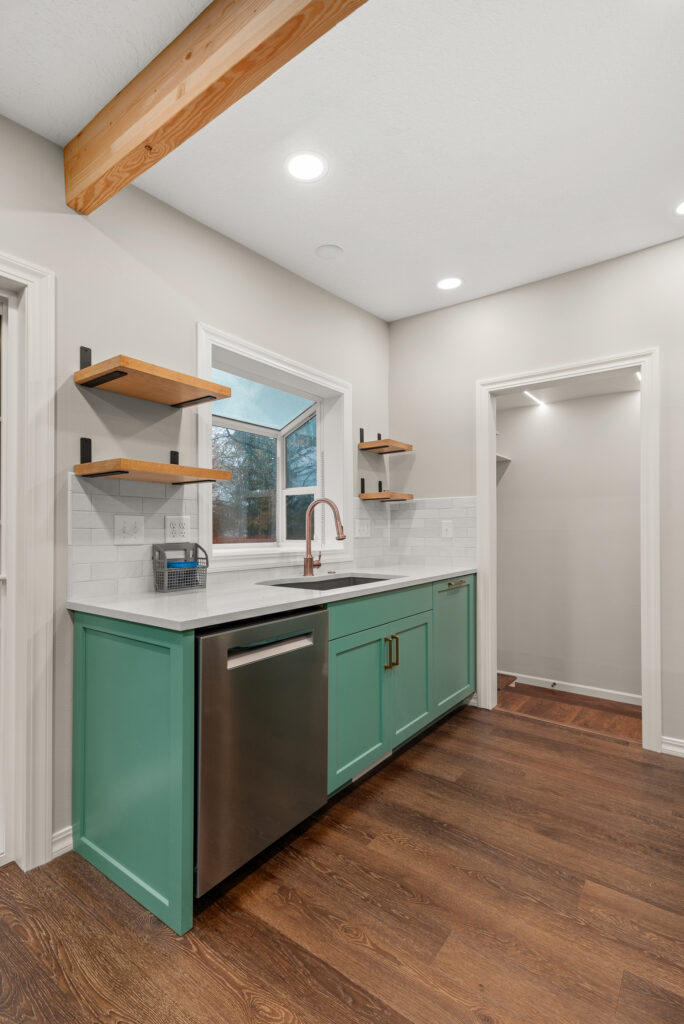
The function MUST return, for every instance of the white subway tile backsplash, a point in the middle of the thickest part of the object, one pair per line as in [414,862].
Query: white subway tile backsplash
[81,537]
[162,506]
[139,489]
[117,505]
[80,502]
[409,533]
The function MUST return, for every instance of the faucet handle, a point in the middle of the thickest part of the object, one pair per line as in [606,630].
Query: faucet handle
[317,564]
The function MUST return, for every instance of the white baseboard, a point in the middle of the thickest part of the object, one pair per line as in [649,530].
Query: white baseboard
[473,700]
[62,841]
[671,745]
[587,691]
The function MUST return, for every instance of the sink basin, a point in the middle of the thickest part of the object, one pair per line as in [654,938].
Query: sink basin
[327,582]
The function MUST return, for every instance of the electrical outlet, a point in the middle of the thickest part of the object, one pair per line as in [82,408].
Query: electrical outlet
[447,529]
[129,529]
[177,528]
[363,528]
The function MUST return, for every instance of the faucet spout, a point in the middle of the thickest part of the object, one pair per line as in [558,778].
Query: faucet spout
[309,563]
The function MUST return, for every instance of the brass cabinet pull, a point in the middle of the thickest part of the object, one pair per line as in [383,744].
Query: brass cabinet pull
[388,663]
[395,662]
[457,583]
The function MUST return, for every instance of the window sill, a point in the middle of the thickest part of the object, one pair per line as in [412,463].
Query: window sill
[230,561]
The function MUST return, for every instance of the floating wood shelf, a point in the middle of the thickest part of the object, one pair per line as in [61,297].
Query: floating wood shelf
[126,376]
[151,472]
[384,446]
[386,496]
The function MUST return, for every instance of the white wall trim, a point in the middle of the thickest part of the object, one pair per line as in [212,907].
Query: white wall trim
[310,382]
[587,691]
[30,554]
[670,745]
[62,841]
[647,361]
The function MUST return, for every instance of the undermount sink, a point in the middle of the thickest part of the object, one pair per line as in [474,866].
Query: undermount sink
[327,582]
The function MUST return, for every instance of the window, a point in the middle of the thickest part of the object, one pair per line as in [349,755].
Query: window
[285,434]
[268,438]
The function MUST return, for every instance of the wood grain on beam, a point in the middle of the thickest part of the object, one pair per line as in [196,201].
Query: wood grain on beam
[229,49]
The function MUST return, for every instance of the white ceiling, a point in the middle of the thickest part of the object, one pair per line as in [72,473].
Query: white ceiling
[494,141]
[609,382]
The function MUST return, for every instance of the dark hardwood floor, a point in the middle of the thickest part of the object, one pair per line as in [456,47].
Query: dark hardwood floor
[499,871]
[592,714]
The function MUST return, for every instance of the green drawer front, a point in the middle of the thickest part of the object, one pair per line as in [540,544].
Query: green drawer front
[366,612]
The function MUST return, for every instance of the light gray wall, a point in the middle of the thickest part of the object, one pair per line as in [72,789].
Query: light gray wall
[618,306]
[134,278]
[568,542]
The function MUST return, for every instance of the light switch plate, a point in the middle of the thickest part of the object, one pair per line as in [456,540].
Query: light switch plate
[129,529]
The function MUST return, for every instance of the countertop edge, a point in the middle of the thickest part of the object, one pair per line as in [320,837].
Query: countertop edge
[129,610]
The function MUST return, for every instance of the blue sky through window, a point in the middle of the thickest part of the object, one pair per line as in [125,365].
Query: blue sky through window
[252,402]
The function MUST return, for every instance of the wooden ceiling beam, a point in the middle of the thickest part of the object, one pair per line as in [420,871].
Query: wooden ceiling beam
[228,50]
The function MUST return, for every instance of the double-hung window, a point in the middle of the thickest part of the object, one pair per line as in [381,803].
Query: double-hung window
[269,440]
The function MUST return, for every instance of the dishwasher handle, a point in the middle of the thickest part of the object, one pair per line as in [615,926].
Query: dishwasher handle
[241,656]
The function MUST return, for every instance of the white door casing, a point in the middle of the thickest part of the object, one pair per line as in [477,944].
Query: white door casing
[28,629]
[647,362]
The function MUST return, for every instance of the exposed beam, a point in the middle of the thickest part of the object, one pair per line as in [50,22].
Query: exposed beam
[229,49]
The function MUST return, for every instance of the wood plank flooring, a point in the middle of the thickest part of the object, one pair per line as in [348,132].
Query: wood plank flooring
[592,714]
[499,871]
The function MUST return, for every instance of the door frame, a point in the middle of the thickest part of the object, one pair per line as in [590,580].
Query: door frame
[28,634]
[647,362]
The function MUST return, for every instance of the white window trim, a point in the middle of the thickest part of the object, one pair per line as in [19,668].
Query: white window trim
[334,439]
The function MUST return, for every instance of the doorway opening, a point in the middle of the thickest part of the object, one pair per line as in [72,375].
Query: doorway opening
[568,633]
[568,609]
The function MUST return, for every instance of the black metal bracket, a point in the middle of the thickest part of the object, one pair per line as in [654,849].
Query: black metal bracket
[174,458]
[361,435]
[363,485]
[86,358]
[86,449]
[186,483]
[194,401]
[380,486]
[109,472]
[379,437]
[104,378]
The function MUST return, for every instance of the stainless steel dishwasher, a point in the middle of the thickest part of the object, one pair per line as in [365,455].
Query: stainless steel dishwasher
[262,737]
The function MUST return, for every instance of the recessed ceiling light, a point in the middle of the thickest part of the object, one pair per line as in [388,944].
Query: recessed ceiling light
[329,251]
[534,399]
[680,210]
[307,166]
[447,283]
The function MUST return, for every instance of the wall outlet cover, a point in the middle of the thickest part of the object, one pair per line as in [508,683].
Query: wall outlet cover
[129,529]
[363,528]
[177,528]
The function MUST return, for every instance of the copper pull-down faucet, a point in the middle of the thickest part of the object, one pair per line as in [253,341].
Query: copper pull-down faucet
[309,564]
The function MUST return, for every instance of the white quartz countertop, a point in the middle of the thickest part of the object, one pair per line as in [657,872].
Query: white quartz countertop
[227,600]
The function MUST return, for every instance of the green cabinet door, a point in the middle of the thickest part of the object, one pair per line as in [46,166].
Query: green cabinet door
[453,668]
[410,675]
[359,704]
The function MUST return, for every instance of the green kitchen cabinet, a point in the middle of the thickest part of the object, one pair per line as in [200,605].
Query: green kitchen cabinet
[133,778]
[410,675]
[359,703]
[453,662]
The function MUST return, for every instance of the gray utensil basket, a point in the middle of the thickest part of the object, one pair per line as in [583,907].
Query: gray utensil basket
[168,578]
